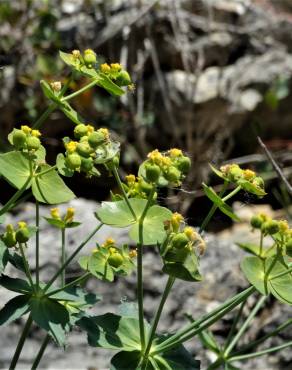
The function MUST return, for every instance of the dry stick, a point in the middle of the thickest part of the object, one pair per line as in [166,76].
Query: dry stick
[275,165]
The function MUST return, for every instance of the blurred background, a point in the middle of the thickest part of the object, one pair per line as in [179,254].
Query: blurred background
[210,76]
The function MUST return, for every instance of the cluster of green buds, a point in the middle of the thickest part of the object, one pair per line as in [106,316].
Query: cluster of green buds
[277,228]
[62,222]
[181,239]
[136,187]
[116,72]
[115,256]
[25,138]
[163,168]
[246,178]
[80,155]
[88,58]
[13,236]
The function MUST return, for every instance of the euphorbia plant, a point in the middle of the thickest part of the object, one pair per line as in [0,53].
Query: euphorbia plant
[58,307]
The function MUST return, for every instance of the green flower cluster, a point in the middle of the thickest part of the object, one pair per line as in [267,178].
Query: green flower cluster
[116,73]
[136,187]
[165,168]
[80,155]
[279,229]
[13,236]
[25,139]
[88,58]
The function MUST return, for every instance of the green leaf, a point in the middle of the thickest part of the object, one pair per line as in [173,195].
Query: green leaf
[225,208]
[15,285]
[187,270]
[49,93]
[14,309]
[60,224]
[17,261]
[127,360]
[255,249]
[261,274]
[14,167]
[112,331]
[61,166]
[71,113]
[250,188]
[118,214]
[178,358]
[50,316]
[68,58]
[109,85]
[50,188]
[219,173]
[4,256]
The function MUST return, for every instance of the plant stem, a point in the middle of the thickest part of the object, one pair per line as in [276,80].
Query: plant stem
[40,353]
[140,271]
[260,353]
[155,322]
[232,193]
[215,364]
[38,123]
[119,182]
[63,258]
[37,243]
[80,91]
[21,343]
[212,211]
[194,328]
[234,324]
[261,244]
[244,326]
[26,267]
[265,337]
[73,255]
[15,197]
[72,283]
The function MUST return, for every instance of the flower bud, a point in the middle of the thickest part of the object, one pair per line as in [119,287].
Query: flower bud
[55,213]
[109,242]
[116,67]
[8,237]
[71,147]
[123,79]
[283,226]
[33,143]
[84,149]
[89,58]
[235,172]
[172,174]
[80,130]
[130,180]
[133,253]
[56,86]
[174,153]
[26,129]
[105,68]
[179,241]
[97,138]
[184,164]
[115,259]
[86,164]
[22,233]
[152,172]
[259,182]
[73,161]
[76,54]
[249,174]
[19,139]
[190,233]
[256,222]
[36,133]
[69,215]
[270,227]
[176,220]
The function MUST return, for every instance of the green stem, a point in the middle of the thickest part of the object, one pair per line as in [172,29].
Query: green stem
[166,292]
[244,326]
[26,266]
[73,255]
[21,343]
[205,321]
[261,244]
[260,353]
[232,193]
[119,182]
[212,210]
[69,285]
[216,364]
[80,91]
[264,338]
[38,123]
[234,324]
[40,353]
[37,243]
[15,197]
[63,258]
[140,271]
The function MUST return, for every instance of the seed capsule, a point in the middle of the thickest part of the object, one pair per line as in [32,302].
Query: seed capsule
[173,174]
[271,227]
[180,240]
[19,139]
[33,143]
[256,222]
[86,164]
[123,79]
[80,131]
[152,172]
[89,58]
[184,164]
[73,161]
[115,260]
[96,138]
[22,235]
[9,239]
[84,149]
